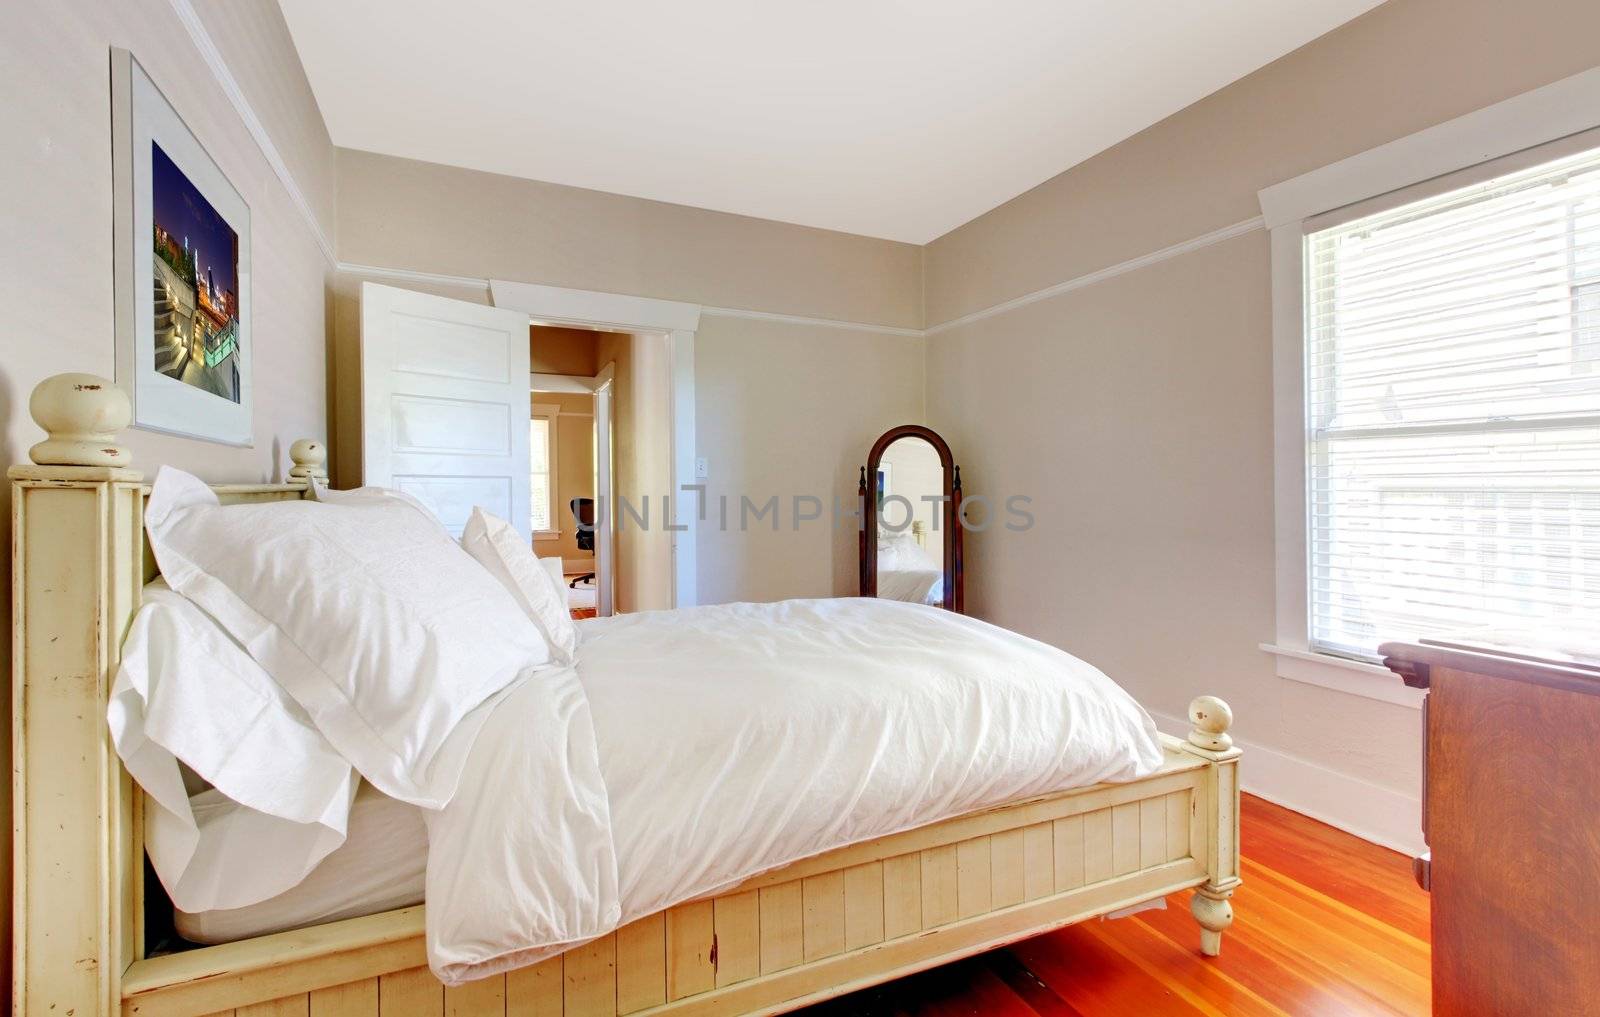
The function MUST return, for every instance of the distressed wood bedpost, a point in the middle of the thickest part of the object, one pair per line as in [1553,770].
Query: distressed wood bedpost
[308,456]
[1208,738]
[76,524]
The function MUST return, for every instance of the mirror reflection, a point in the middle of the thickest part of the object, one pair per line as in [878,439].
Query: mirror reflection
[910,541]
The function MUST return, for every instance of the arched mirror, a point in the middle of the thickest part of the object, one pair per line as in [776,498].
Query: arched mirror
[910,510]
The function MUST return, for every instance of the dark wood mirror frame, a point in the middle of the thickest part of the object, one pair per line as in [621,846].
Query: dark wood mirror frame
[950,525]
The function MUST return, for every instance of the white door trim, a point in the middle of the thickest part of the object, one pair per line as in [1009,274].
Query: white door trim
[617,312]
[572,384]
[558,305]
[605,574]
[680,348]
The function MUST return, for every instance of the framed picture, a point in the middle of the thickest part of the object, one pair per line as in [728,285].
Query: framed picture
[182,267]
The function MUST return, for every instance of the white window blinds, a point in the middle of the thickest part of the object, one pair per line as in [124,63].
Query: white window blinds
[1453,414]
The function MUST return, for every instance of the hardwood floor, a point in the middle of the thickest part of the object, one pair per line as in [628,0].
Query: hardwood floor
[1324,924]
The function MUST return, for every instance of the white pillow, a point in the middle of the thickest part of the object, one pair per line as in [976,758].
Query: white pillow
[500,549]
[365,611]
[357,495]
[900,552]
[185,691]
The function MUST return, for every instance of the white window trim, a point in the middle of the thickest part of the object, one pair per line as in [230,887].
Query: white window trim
[1539,117]
[551,413]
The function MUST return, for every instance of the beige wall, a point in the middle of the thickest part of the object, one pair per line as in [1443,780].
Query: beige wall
[1137,412]
[553,350]
[399,213]
[642,467]
[785,409]
[55,202]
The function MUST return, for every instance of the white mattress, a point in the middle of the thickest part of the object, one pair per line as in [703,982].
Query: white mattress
[379,867]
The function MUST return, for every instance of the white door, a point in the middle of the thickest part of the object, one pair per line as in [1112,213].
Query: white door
[605,603]
[444,389]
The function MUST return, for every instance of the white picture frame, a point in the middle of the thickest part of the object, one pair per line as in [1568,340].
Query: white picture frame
[198,381]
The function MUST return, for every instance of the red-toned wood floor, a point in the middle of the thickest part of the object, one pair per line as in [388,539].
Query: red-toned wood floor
[1325,923]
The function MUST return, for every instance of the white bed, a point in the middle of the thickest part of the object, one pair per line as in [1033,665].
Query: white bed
[731,740]
[816,925]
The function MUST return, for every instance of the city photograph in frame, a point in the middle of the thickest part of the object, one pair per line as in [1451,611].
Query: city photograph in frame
[182,262]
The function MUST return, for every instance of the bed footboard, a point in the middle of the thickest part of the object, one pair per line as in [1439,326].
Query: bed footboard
[819,928]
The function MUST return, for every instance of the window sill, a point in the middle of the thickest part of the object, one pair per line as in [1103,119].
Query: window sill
[546,534]
[1353,677]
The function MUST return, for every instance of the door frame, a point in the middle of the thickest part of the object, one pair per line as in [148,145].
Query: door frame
[599,387]
[677,323]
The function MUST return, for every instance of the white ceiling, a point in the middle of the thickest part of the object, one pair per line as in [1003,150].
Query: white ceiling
[891,118]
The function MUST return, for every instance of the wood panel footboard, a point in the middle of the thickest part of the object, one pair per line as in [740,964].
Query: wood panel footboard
[812,930]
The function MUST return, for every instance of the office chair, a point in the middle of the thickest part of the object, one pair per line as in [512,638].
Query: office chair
[583,512]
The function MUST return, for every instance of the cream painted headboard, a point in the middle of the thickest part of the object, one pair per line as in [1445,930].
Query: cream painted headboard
[79,564]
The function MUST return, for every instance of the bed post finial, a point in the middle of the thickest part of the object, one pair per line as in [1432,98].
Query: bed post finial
[1211,719]
[308,456]
[81,415]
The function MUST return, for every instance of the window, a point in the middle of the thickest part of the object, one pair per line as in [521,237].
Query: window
[1452,413]
[544,517]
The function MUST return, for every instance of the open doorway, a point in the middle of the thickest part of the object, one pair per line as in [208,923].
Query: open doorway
[601,464]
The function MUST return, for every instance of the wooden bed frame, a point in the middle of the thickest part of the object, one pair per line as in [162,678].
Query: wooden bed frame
[820,927]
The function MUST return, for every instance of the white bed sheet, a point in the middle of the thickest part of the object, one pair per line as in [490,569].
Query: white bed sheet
[379,867]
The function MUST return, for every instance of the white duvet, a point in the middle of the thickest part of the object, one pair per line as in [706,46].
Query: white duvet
[692,749]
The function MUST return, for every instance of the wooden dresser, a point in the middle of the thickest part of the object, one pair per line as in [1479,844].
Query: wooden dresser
[1511,816]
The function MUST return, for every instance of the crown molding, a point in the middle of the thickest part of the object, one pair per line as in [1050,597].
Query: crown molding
[798,319]
[1178,250]
[406,275]
[484,286]
[212,56]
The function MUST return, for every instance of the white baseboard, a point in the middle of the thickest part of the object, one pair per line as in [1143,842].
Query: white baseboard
[1377,814]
